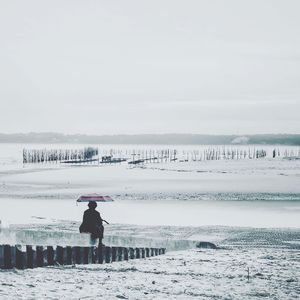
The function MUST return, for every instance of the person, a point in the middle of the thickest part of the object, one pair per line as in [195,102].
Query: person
[93,223]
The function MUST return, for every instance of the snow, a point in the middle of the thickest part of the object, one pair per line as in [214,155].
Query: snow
[274,273]
[249,208]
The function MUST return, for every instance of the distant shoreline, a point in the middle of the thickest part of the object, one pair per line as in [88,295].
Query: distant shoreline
[158,139]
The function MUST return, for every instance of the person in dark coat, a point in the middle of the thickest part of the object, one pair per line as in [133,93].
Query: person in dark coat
[93,223]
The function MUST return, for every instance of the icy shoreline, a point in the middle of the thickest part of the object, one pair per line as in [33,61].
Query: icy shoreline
[207,201]
[271,256]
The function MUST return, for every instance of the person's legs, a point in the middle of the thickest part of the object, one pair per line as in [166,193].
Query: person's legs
[101,232]
[93,240]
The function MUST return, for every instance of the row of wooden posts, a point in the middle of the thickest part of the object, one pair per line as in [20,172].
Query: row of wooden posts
[58,155]
[40,256]
[92,155]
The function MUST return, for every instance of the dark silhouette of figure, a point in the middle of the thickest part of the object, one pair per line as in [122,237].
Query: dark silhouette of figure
[93,223]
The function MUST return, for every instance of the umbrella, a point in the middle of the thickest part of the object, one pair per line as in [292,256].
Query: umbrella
[94,197]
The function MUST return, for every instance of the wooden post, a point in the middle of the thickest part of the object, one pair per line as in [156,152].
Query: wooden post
[50,256]
[147,252]
[113,254]
[155,251]
[100,254]
[39,256]
[68,256]
[7,257]
[20,258]
[45,257]
[107,255]
[31,257]
[76,259]
[152,252]
[13,256]
[81,254]
[59,255]
[120,254]
[86,251]
[1,257]
[137,251]
[90,254]
[126,254]
[131,253]
[143,252]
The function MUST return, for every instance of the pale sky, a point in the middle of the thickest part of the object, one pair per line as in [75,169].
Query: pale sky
[109,67]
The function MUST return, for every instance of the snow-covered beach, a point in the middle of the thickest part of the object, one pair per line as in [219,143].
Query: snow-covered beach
[180,119]
[249,208]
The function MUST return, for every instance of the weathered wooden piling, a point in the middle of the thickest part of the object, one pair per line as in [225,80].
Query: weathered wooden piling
[40,256]
[131,253]
[68,256]
[1,257]
[31,257]
[50,256]
[152,252]
[120,251]
[126,256]
[100,255]
[137,253]
[59,255]
[113,254]
[107,255]
[86,255]
[147,252]
[76,255]
[21,259]
[8,258]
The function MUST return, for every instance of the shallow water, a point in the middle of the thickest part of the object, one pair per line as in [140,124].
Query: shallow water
[130,210]
[257,193]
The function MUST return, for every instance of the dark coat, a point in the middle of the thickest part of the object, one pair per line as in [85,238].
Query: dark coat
[92,223]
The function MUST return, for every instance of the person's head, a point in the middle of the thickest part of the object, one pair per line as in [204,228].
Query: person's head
[92,204]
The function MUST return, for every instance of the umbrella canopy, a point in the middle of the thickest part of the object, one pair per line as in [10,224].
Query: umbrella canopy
[94,197]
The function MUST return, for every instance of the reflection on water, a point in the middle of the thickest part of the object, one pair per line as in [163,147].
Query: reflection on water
[158,212]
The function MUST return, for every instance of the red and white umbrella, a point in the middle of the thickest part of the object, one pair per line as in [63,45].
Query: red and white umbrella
[94,197]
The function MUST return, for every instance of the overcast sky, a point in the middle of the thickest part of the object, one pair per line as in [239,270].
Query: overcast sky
[108,67]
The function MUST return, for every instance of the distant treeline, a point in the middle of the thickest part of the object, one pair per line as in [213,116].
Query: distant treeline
[159,139]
